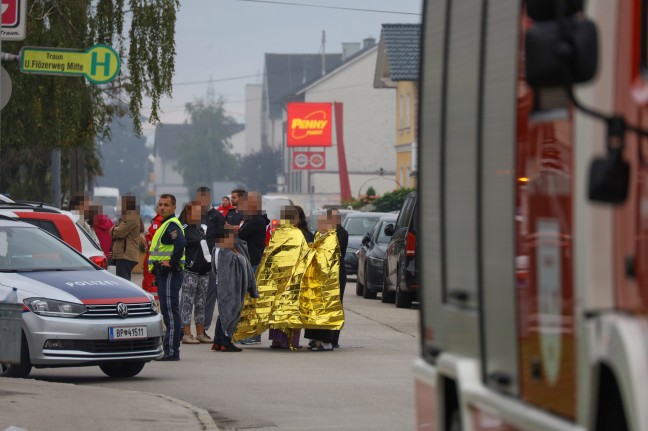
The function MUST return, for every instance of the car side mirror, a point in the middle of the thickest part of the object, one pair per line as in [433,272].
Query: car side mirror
[389,229]
[366,239]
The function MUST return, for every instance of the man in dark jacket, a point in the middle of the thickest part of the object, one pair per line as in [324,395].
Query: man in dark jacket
[234,215]
[215,226]
[253,232]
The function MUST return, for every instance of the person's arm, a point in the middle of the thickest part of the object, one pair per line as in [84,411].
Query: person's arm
[179,242]
[215,229]
[343,239]
[124,228]
[251,229]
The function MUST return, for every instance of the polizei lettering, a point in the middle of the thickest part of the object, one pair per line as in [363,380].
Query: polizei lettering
[92,283]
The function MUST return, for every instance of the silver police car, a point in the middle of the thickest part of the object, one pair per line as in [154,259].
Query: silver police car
[74,312]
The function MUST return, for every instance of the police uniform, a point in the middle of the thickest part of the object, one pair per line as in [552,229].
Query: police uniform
[168,244]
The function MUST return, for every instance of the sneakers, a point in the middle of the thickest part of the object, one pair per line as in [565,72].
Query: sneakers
[189,339]
[230,348]
[216,347]
[168,358]
[252,340]
[203,338]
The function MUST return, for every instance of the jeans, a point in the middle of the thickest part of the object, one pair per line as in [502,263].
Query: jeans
[219,335]
[169,284]
[124,268]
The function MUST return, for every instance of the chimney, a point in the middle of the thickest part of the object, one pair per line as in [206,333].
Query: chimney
[368,43]
[349,49]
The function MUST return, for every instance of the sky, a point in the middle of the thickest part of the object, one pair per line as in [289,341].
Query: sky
[225,39]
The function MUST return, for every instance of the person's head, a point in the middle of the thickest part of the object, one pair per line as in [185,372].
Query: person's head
[183,214]
[236,195]
[166,205]
[226,202]
[326,221]
[227,240]
[79,202]
[290,214]
[128,205]
[252,203]
[203,195]
[336,218]
[194,212]
[93,214]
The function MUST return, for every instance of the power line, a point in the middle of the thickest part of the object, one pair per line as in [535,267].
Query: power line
[285,3]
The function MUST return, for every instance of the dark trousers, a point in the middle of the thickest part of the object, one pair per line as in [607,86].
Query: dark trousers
[169,284]
[124,268]
[219,335]
[210,300]
[335,339]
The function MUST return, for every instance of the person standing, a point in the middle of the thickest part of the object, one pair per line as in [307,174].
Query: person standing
[101,225]
[253,231]
[196,275]
[343,240]
[234,217]
[148,280]
[215,227]
[225,206]
[166,261]
[126,238]
[79,205]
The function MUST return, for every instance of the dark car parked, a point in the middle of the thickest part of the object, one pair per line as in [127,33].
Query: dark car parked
[401,282]
[371,256]
[357,224]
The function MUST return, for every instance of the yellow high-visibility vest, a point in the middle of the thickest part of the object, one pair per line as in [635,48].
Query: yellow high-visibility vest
[160,252]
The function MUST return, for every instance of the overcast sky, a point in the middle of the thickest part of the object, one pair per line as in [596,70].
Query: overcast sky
[225,39]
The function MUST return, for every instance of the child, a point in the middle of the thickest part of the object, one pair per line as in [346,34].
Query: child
[234,278]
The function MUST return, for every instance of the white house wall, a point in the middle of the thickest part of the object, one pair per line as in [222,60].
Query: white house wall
[369,127]
[253,101]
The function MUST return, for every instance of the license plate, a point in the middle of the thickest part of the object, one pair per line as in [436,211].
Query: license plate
[126,332]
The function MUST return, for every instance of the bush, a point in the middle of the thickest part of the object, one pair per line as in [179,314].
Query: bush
[392,201]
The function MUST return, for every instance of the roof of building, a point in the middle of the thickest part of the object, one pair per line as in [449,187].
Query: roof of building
[287,72]
[402,45]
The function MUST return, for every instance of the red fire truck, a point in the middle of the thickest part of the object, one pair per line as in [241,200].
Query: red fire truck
[533,207]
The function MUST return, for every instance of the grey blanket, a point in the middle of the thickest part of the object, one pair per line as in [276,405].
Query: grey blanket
[234,278]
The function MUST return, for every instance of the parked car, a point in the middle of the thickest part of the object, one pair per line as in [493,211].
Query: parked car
[74,313]
[400,280]
[357,224]
[62,224]
[5,199]
[371,257]
[312,218]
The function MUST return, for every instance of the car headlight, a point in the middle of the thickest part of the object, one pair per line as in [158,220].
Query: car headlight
[53,308]
[154,307]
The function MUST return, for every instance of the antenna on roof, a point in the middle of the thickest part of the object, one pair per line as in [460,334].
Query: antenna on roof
[323,52]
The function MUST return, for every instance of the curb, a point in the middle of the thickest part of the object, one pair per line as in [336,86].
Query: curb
[202,415]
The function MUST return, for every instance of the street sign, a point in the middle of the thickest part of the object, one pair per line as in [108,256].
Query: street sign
[99,64]
[309,161]
[14,20]
[5,87]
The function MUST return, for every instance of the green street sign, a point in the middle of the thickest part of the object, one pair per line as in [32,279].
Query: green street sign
[100,64]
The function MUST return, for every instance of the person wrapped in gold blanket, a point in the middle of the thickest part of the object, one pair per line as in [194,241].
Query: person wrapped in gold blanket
[298,285]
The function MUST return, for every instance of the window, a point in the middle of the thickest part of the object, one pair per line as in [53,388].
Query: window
[401,106]
[45,225]
[408,111]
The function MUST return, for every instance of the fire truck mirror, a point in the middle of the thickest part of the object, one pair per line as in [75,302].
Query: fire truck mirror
[543,10]
[560,54]
[609,178]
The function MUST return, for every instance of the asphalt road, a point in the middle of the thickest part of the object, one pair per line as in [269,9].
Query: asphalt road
[365,385]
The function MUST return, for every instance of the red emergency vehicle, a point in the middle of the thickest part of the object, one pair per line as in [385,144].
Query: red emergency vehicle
[533,246]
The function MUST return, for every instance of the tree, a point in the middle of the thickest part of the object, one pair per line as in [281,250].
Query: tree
[47,112]
[205,151]
[391,201]
[258,171]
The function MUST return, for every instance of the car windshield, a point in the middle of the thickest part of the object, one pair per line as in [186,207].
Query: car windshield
[359,225]
[382,238]
[29,249]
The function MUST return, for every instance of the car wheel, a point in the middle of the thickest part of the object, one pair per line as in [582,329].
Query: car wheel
[21,370]
[403,299]
[366,293]
[122,369]
[387,296]
[359,287]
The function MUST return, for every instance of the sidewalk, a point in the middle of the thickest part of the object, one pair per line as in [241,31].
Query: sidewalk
[35,405]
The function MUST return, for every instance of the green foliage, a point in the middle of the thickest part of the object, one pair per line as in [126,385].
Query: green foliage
[47,112]
[205,151]
[392,201]
[258,171]
[371,192]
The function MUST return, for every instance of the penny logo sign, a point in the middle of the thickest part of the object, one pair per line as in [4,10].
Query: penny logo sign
[309,125]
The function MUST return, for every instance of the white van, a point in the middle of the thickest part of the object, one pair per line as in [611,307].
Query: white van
[108,198]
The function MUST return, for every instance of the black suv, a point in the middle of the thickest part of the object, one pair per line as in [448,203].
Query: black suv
[400,280]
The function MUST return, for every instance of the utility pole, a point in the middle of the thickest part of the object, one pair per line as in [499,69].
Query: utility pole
[323,52]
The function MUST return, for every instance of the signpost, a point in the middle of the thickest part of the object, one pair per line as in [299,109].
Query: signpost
[100,64]
[309,161]
[14,20]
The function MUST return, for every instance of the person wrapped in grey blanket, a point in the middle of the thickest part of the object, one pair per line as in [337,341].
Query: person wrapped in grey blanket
[234,278]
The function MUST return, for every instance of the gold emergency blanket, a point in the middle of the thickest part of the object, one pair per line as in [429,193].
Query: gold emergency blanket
[298,284]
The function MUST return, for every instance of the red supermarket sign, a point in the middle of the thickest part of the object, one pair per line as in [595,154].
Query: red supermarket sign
[306,161]
[309,125]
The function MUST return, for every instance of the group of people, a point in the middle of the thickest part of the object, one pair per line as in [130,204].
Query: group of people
[284,282]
